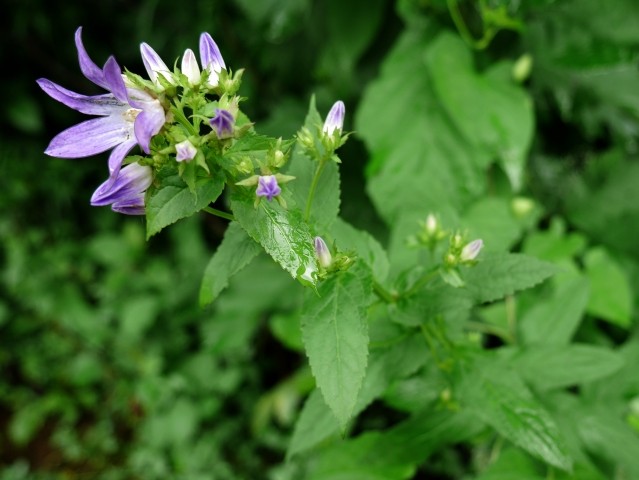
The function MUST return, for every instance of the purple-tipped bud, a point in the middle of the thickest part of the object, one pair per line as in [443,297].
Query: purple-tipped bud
[125,194]
[190,67]
[335,118]
[154,65]
[223,123]
[211,59]
[267,187]
[323,254]
[471,250]
[185,151]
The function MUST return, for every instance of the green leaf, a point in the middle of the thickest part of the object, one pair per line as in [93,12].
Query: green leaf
[498,275]
[234,253]
[493,114]
[548,366]
[497,396]
[172,200]
[335,334]
[492,220]
[611,294]
[554,321]
[419,159]
[282,233]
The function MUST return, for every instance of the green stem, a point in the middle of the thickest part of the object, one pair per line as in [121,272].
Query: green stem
[421,282]
[311,192]
[219,213]
[181,118]
[382,293]
[489,329]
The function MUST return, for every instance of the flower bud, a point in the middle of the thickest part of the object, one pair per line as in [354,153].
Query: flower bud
[323,254]
[190,67]
[335,118]
[155,66]
[185,151]
[471,250]
[267,187]
[223,123]
[431,225]
[211,59]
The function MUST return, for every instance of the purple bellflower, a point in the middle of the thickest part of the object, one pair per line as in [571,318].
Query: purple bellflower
[267,187]
[127,116]
[126,193]
[154,65]
[223,123]
[335,118]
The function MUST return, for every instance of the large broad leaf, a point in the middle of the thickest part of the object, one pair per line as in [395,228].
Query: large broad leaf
[326,200]
[492,220]
[611,297]
[498,275]
[554,321]
[335,335]
[497,396]
[282,233]
[493,114]
[172,199]
[235,252]
[558,366]
[419,158]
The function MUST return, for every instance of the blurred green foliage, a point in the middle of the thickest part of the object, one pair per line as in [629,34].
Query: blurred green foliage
[112,370]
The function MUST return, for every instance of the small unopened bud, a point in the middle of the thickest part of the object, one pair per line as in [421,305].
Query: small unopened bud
[431,224]
[185,151]
[190,67]
[471,250]
[335,118]
[267,187]
[323,254]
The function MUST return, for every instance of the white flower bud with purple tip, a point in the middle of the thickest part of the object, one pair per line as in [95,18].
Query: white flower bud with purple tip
[155,66]
[471,250]
[335,118]
[185,151]
[190,67]
[267,187]
[323,254]
[211,59]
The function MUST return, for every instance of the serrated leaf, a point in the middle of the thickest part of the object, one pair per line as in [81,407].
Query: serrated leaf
[498,275]
[493,114]
[611,294]
[172,200]
[282,233]
[335,335]
[234,253]
[547,366]
[491,219]
[497,396]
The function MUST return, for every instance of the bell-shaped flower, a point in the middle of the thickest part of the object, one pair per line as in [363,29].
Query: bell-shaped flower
[126,116]
[211,59]
[126,193]
[223,123]
[335,118]
[190,67]
[155,66]
[267,187]
[185,151]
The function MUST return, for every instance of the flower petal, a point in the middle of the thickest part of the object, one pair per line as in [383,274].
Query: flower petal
[91,105]
[90,137]
[130,181]
[114,80]
[148,123]
[130,206]
[89,69]
[335,118]
[117,155]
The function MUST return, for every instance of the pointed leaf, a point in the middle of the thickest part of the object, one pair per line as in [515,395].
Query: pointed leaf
[335,335]
[234,253]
